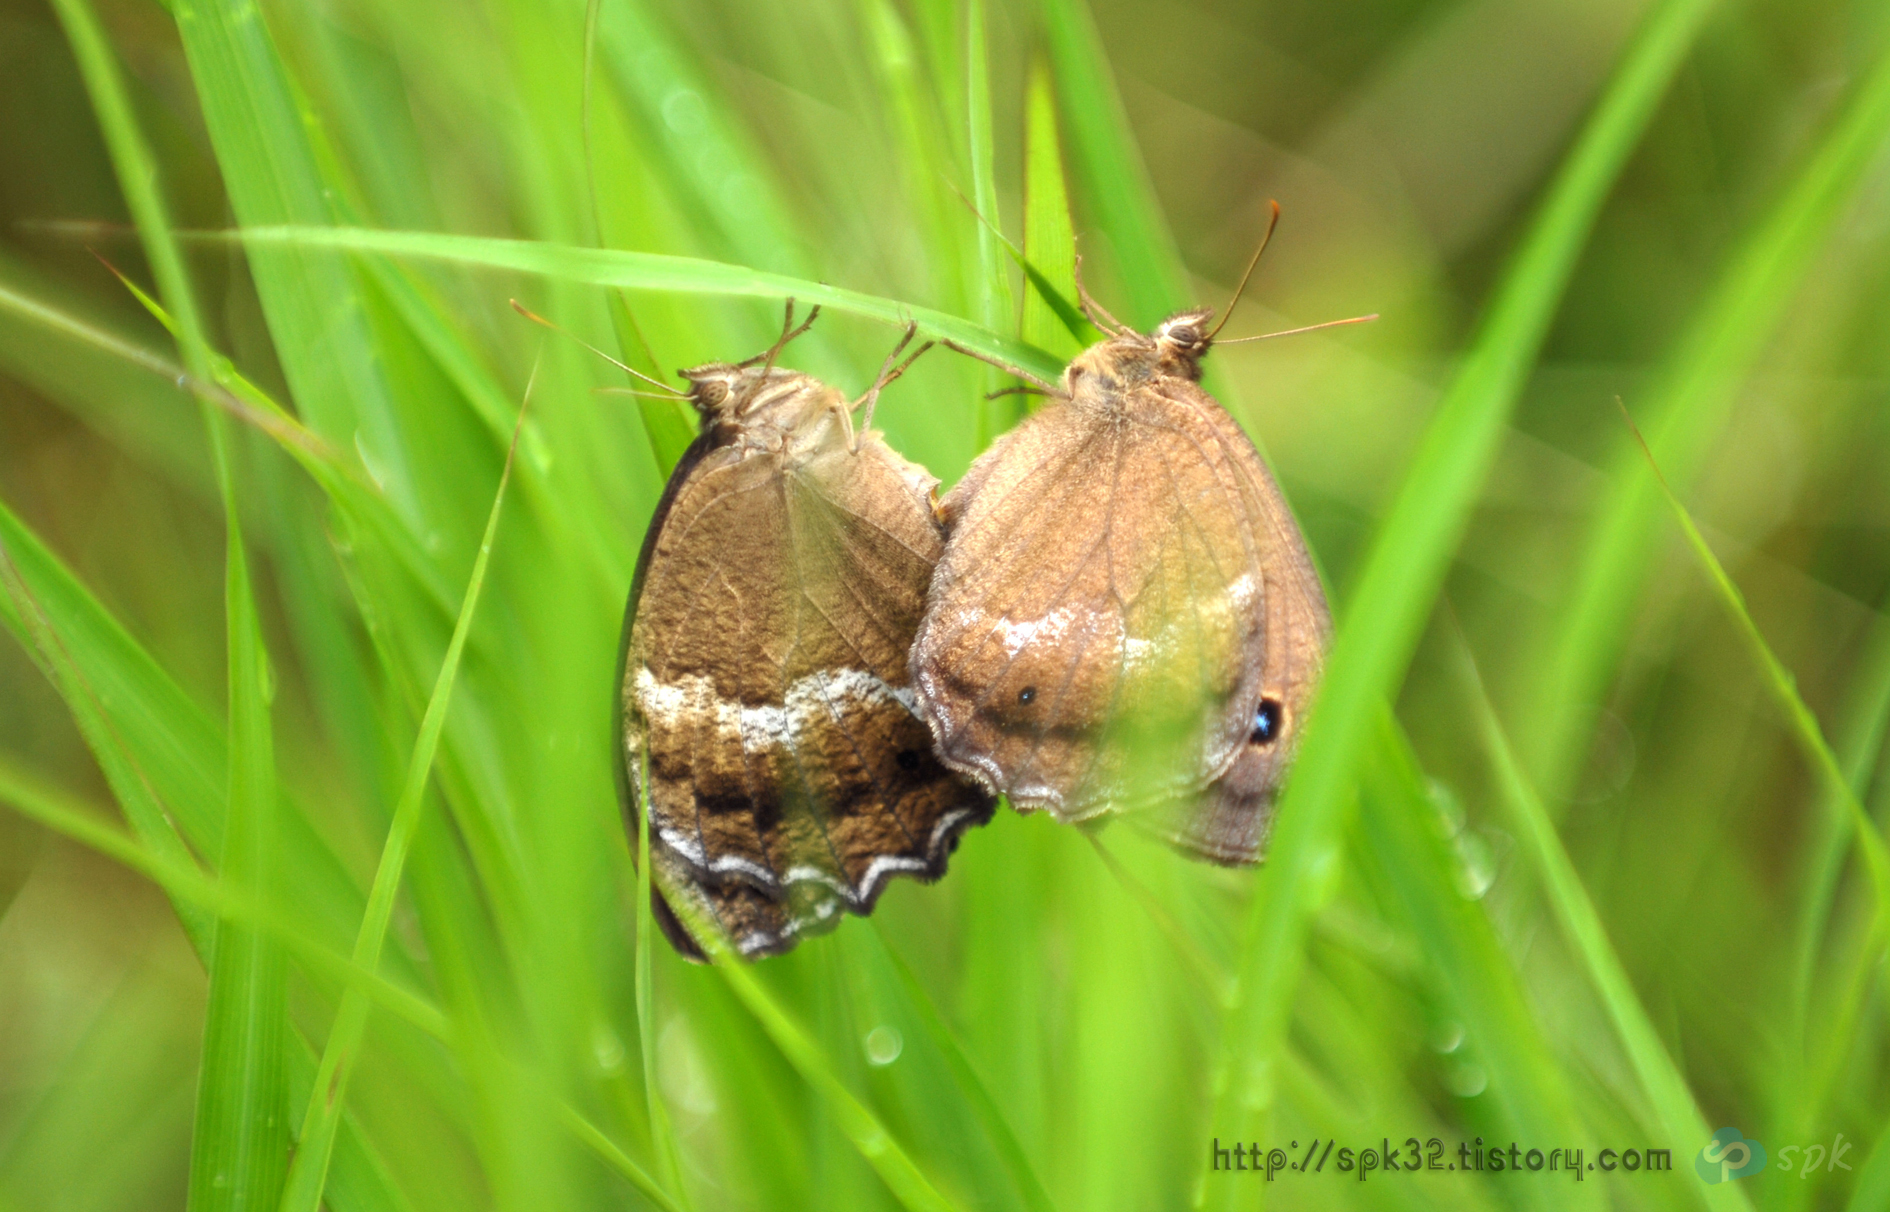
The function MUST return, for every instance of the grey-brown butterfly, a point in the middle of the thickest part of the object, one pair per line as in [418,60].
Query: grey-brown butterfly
[764,664]
[1125,617]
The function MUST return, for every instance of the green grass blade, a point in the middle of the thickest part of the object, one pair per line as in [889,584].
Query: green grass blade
[1827,1055]
[1046,294]
[970,1085]
[158,753]
[1802,723]
[862,1128]
[1476,975]
[875,1143]
[994,298]
[1408,558]
[130,783]
[697,153]
[215,899]
[1050,320]
[137,177]
[653,272]
[316,1141]
[662,1130]
[353,1165]
[1112,178]
[168,741]
[312,300]
[1867,714]
[1688,405]
[1581,925]
[239,1151]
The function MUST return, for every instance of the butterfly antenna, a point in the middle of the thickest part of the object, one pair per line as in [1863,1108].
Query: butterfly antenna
[1097,313]
[1294,332]
[788,333]
[1272,223]
[631,391]
[670,393]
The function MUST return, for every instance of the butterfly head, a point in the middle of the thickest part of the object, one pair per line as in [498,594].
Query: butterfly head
[1181,341]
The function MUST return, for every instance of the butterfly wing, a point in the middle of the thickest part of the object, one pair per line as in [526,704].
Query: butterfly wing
[765,672]
[1092,609]
[1099,630]
[1230,823]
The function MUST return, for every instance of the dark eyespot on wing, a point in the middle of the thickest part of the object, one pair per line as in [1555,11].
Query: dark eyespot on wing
[1269,719]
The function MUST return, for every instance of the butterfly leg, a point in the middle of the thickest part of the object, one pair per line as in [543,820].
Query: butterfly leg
[1097,313]
[1008,368]
[788,333]
[887,373]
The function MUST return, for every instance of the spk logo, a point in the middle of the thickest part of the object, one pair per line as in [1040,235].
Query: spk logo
[1727,1156]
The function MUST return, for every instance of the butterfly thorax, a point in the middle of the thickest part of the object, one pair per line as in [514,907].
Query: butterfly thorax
[1102,375]
[763,406]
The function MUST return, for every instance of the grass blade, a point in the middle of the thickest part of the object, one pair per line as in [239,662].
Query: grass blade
[1689,403]
[654,272]
[1581,925]
[863,1129]
[662,1132]
[239,1151]
[1398,585]
[1113,180]
[316,1141]
[354,1166]
[312,300]
[989,1114]
[1828,1055]
[1050,321]
[994,300]
[1478,978]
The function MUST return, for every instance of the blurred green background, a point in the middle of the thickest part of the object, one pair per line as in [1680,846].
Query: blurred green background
[1609,875]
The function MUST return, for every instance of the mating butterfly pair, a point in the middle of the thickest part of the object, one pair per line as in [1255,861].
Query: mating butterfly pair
[828,676]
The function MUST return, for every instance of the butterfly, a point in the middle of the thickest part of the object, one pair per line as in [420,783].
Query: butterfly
[1125,616]
[763,682]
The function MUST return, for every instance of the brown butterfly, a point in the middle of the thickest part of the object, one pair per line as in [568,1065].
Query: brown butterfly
[764,663]
[1125,616]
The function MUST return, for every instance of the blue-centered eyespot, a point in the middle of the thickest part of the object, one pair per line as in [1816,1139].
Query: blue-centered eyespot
[1268,719]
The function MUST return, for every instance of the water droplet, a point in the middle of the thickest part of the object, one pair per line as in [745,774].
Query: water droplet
[1447,1037]
[1449,807]
[883,1044]
[1476,865]
[608,1050]
[1466,1080]
[682,1072]
[684,112]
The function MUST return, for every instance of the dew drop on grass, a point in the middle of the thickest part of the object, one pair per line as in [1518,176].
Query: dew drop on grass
[1476,865]
[681,1070]
[883,1044]
[1447,1037]
[608,1050]
[685,112]
[1450,815]
[1465,1080]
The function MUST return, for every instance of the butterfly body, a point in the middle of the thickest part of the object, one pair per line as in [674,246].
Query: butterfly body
[1125,617]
